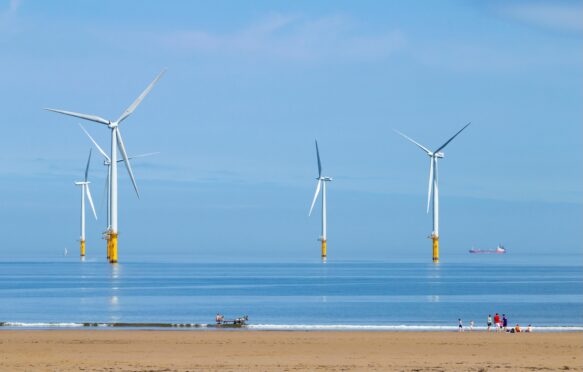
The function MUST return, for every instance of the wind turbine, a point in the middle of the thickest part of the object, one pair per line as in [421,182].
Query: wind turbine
[433,187]
[107,163]
[116,142]
[85,193]
[321,185]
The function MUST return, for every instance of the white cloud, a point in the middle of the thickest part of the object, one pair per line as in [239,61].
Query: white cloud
[291,37]
[554,15]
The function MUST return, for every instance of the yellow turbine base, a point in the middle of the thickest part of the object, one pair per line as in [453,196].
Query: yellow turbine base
[108,247]
[82,248]
[113,248]
[435,249]
[323,249]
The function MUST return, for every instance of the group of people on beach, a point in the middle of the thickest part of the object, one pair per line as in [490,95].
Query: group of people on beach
[501,324]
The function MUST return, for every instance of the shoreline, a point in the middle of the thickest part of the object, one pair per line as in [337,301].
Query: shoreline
[270,327]
[136,350]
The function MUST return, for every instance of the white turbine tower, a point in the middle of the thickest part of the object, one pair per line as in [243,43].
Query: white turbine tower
[321,185]
[116,143]
[107,163]
[85,193]
[433,187]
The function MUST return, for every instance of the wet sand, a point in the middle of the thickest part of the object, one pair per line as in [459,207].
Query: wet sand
[141,350]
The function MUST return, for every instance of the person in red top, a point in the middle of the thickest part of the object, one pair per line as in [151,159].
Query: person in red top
[497,321]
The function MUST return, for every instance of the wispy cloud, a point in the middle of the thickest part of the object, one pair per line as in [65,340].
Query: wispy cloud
[10,11]
[291,37]
[8,16]
[558,15]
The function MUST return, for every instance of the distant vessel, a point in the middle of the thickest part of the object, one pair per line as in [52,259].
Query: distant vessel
[499,250]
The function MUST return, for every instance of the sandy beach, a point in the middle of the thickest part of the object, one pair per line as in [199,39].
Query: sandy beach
[95,350]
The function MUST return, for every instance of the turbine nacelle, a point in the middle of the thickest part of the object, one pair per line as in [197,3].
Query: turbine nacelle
[79,183]
[327,179]
[438,155]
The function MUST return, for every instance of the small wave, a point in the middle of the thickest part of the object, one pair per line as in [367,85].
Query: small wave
[278,327]
[96,324]
[40,325]
[402,327]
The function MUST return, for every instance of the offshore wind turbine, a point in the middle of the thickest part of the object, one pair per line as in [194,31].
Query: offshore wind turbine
[107,163]
[321,185]
[433,187]
[85,194]
[116,143]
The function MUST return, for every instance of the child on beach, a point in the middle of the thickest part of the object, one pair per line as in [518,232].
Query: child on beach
[471,325]
[504,322]
[460,325]
[489,322]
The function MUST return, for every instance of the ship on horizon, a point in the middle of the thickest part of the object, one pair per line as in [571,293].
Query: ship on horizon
[499,250]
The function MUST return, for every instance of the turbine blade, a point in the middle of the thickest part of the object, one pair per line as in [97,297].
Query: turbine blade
[139,100]
[411,140]
[144,155]
[319,162]
[318,187]
[454,136]
[90,200]
[126,161]
[430,189]
[87,167]
[95,143]
[94,118]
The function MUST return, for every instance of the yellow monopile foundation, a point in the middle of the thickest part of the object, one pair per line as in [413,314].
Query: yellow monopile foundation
[435,249]
[113,248]
[108,247]
[82,248]
[323,249]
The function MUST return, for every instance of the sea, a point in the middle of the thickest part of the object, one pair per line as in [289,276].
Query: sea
[337,295]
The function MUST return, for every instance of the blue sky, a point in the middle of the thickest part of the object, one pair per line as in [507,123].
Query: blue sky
[248,88]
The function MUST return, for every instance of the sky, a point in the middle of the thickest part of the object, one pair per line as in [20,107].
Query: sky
[250,85]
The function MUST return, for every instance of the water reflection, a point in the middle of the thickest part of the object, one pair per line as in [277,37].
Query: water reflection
[434,273]
[115,271]
[114,307]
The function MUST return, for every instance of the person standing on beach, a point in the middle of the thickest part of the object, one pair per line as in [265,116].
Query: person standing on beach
[489,322]
[497,322]
[504,321]
[471,325]
[460,325]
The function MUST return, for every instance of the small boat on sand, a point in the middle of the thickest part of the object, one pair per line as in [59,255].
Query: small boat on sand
[221,322]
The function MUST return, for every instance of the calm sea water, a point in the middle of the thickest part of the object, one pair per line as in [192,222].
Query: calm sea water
[279,295]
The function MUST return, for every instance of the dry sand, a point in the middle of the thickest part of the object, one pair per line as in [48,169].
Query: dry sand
[94,350]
